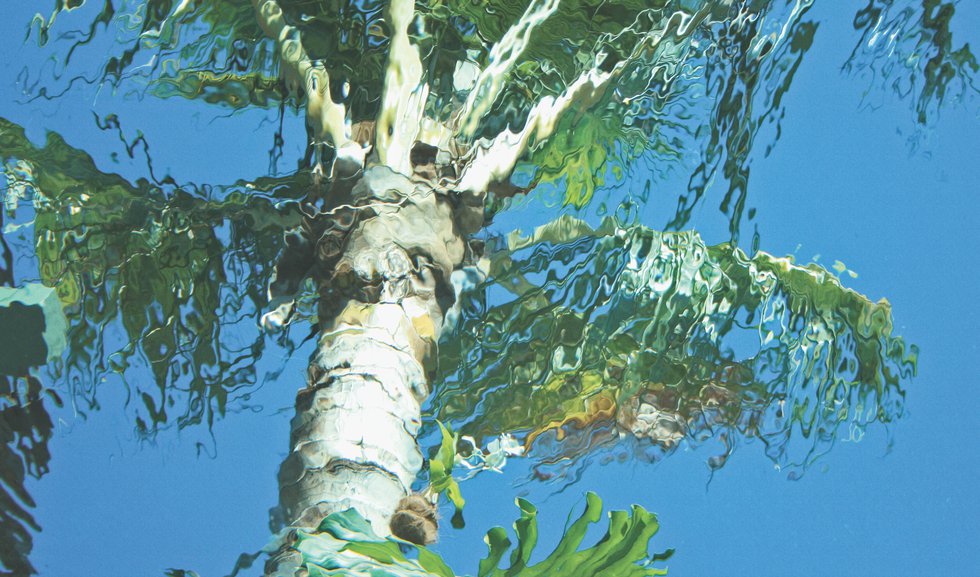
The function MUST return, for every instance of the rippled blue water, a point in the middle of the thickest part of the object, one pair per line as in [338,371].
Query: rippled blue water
[852,179]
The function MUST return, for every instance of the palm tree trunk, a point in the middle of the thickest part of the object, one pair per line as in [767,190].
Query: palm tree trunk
[385,286]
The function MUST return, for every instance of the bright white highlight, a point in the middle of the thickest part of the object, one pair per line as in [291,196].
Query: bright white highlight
[503,56]
[404,92]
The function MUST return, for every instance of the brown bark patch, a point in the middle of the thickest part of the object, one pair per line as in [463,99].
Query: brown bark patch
[416,521]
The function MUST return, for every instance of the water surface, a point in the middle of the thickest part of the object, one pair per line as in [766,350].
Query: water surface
[143,478]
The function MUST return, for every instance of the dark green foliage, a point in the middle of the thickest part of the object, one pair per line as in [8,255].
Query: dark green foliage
[25,429]
[171,268]
[925,66]
[21,340]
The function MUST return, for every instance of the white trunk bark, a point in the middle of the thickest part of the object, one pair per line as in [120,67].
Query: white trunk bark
[383,297]
[353,437]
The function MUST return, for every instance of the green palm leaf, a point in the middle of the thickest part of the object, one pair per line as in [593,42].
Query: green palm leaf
[580,338]
[345,545]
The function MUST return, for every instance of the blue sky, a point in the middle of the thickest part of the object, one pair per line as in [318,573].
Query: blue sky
[843,183]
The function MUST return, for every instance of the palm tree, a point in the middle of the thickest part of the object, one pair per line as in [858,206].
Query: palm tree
[425,120]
